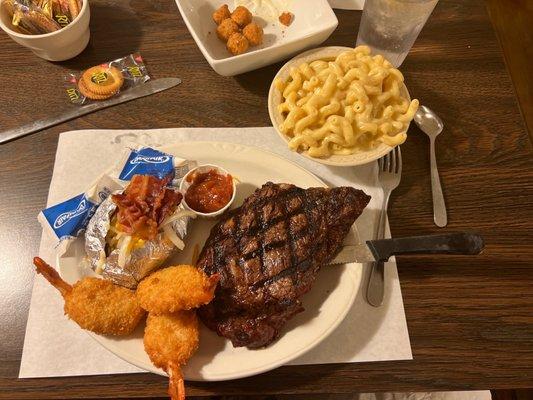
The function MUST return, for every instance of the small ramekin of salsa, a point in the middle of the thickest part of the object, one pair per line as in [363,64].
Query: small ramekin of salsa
[208,190]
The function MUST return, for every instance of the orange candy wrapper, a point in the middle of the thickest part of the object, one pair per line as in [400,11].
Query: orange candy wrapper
[37,17]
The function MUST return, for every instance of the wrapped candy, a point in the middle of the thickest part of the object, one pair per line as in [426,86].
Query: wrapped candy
[36,17]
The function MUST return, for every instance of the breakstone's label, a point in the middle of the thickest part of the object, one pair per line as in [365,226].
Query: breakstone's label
[69,218]
[147,161]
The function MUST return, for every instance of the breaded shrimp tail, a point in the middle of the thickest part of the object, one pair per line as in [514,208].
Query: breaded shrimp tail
[176,385]
[51,275]
[213,282]
[170,340]
[96,304]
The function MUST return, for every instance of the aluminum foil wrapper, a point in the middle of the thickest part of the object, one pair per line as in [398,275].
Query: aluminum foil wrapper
[141,261]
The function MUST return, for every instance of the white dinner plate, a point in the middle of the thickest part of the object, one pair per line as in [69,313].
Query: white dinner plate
[325,306]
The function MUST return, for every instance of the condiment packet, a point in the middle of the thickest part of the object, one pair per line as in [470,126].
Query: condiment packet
[106,80]
[67,220]
[148,161]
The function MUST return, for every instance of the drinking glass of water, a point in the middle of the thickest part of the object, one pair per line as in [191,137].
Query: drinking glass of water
[390,27]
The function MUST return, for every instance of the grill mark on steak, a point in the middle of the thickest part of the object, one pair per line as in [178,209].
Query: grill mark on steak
[296,265]
[268,252]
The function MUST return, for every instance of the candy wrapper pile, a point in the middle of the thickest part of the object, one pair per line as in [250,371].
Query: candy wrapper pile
[37,17]
[131,218]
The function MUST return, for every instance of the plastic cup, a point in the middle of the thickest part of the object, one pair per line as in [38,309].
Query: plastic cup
[390,27]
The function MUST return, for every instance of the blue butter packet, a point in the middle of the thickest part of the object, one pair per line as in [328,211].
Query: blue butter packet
[70,217]
[148,161]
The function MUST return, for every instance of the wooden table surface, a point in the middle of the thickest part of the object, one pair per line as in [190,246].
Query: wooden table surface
[470,319]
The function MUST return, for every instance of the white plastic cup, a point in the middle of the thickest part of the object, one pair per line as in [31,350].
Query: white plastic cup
[390,27]
[60,45]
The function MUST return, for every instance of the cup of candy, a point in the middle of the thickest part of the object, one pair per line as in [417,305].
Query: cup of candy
[55,30]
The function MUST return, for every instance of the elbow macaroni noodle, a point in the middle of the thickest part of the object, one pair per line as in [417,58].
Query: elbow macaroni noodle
[349,104]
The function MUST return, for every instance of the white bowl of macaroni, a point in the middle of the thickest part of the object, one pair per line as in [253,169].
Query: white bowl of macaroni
[340,106]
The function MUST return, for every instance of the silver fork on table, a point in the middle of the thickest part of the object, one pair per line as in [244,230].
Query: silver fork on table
[390,173]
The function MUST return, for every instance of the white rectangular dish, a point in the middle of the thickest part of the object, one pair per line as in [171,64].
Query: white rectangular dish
[347,4]
[313,23]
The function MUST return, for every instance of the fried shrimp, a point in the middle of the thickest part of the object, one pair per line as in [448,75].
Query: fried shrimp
[170,340]
[181,287]
[95,304]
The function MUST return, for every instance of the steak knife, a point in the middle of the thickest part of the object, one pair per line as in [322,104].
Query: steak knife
[383,249]
[148,88]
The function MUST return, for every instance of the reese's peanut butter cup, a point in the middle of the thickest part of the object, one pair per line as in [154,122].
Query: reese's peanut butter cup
[94,96]
[74,8]
[102,80]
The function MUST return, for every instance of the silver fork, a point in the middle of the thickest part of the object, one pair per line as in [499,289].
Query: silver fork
[390,173]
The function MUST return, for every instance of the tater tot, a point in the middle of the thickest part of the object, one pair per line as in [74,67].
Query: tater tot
[242,16]
[221,14]
[237,44]
[286,18]
[254,34]
[227,28]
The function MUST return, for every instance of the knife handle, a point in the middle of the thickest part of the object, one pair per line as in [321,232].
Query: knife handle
[451,243]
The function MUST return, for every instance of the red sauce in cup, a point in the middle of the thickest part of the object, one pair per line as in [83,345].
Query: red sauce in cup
[209,191]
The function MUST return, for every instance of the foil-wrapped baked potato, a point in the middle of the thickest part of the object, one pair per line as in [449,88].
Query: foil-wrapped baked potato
[133,232]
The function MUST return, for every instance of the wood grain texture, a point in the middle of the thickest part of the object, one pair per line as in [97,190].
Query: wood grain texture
[470,319]
[513,22]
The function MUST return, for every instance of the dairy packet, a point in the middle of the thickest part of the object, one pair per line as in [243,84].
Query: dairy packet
[67,220]
[148,161]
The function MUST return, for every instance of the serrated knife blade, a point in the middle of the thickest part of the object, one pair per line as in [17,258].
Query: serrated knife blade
[382,250]
[148,88]
[359,253]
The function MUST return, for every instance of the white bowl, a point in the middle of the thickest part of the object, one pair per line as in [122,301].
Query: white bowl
[275,99]
[60,45]
[184,185]
[314,21]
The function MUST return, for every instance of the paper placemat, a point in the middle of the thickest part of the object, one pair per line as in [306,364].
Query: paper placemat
[55,346]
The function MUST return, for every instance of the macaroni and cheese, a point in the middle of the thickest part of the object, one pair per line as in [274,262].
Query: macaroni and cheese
[344,105]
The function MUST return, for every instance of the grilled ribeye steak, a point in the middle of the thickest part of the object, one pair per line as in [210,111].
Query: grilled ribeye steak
[268,252]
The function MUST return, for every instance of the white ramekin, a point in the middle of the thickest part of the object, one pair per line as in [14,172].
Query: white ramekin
[184,185]
[60,45]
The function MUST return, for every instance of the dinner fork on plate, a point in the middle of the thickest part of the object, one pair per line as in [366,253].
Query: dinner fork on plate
[389,175]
